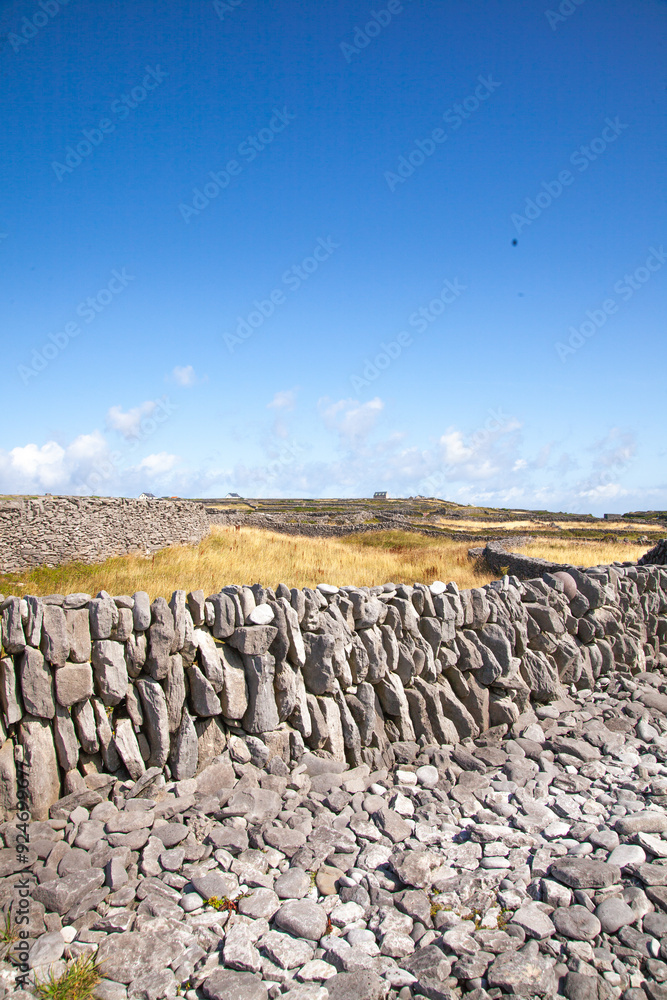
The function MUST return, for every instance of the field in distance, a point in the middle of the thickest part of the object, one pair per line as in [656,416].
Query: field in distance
[253,555]
[439,517]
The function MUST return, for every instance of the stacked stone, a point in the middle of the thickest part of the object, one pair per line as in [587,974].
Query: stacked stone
[657,556]
[91,687]
[37,531]
[526,862]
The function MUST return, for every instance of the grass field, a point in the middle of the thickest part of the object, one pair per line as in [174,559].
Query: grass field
[537,527]
[584,553]
[251,555]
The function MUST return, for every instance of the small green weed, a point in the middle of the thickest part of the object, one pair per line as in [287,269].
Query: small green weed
[77,983]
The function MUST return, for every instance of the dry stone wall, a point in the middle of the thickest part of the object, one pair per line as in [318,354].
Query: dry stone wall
[122,687]
[49,531]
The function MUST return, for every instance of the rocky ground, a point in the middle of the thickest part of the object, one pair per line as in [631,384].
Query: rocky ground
[529,862]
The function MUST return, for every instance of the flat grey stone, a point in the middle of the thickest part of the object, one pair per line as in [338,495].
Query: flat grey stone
[576,922]
[260,903]
[643,822]
[362,985]
[225,984]
[46,949]
[302,918]
[585,873]
[60,895]
[293,884]
[213,885]
[128,956]
[286,951]
[517,973]
[534,921]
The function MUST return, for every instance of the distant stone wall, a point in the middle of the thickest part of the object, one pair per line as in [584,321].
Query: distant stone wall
[93,689]
[500,560]
[54,530]
[657,556]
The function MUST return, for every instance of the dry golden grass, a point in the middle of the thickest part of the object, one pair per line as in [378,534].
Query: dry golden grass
[535,527]
[585,553]
[251,555]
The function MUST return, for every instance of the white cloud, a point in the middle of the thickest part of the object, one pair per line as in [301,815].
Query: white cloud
[606,491]
[44,465]
[490,465]
[353,420]
[128,422]
[184,376]
[49,467]
[157,465]
[284,400]
[454,450]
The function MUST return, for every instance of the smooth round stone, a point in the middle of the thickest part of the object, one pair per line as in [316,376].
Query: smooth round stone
[557,829]
[576,922]
[534,732]
[606,839]
[293,884]
[303,918]
[261,615]
[190,901]
[495,862]
[581,850]
[359,935]
[546,712]
[627,854]
[172,860]
[613,914]
[427,776]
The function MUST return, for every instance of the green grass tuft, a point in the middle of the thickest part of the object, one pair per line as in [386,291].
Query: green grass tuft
[77,983]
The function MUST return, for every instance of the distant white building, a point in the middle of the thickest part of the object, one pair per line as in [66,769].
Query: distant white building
[380,495]
[233,496]
[147,496]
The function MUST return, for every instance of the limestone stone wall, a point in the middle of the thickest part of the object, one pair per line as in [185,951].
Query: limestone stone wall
[37,531]
[92,686]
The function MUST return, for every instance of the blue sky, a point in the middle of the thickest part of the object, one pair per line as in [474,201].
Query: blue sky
[266,249]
